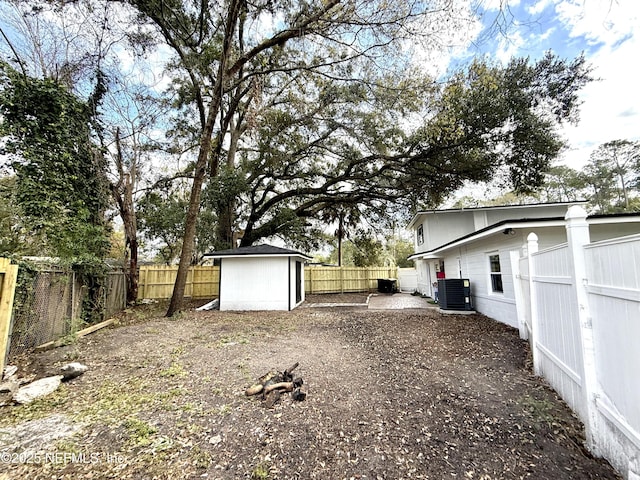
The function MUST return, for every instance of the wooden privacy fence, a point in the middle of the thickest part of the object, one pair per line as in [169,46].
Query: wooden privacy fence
[579,305]
[8,276]
[345,279]
[157,281]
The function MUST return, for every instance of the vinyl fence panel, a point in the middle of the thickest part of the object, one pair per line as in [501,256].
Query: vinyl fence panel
[408,279]
[614,296]
[559,331]
[582,311]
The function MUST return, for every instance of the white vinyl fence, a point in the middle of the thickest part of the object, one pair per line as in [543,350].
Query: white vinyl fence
[579,306]
[407,279]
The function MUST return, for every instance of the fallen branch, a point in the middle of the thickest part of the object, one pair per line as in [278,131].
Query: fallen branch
[81,333]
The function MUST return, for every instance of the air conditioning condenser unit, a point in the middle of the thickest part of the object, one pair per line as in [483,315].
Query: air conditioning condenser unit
[454,294]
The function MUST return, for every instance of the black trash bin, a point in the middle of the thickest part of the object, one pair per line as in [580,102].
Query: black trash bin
[387,285]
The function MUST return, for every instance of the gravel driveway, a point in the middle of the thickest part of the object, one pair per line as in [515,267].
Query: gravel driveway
[392,394]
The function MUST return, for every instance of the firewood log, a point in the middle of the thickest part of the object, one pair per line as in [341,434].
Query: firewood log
[254,389]
[282,386]
[272,398]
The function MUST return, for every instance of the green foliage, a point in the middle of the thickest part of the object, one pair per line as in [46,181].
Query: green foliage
[140,432]
[349,145]
[14,236]
[161,216]
[367,252]
[401,249]
[260,472]
[612,175]
[60,185]
[609,180]
[562,184]
[363,250]
[490,118]
[60,175]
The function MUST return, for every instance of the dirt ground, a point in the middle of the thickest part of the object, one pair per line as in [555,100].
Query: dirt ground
[392,394]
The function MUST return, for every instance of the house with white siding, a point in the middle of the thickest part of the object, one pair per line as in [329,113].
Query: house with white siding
[481,244]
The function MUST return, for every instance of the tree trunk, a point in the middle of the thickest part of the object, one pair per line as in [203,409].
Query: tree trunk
[226,209]
[340,234]
[123,195]
[224,234]
[133,275]
[177,298]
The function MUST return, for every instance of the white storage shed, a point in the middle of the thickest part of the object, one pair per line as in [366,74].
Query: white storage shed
[260,277]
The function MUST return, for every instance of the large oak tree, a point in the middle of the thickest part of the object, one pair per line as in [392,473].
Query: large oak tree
[297,108]
[333,145]
[226,51]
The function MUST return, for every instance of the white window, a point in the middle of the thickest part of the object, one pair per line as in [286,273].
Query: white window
[420,235]
[495,274]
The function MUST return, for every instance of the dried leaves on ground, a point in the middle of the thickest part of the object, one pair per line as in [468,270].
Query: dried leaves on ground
[393,394]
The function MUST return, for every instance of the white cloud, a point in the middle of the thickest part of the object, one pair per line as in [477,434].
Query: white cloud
[611,108]
[509,46]
[538,7]
[599,21]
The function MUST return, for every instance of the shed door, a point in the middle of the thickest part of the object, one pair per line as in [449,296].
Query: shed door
[298,282]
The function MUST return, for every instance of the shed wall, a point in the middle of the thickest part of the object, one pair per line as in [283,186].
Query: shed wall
[292,284]
[257,283]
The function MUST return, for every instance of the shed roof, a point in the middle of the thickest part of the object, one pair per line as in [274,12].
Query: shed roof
[262,250]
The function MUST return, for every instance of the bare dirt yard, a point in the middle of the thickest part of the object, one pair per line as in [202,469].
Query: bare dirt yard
[392,394]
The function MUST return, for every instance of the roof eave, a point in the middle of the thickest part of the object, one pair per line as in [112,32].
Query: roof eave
[258,255]
[500,227]
[521,225]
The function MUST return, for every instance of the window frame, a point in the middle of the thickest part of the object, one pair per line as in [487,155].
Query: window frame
[495,283]
[420,234]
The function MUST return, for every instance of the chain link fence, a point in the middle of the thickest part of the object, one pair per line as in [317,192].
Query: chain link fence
[49,307]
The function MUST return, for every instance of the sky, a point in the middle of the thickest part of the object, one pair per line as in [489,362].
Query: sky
[607,31]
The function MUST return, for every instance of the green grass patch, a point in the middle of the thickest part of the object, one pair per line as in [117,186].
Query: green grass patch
[541,411]
[174,370]
[140,432]
[115,402]
[39,408]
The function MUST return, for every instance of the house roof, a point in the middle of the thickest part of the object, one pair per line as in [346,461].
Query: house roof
[262,250]
[506,225]
[495,207]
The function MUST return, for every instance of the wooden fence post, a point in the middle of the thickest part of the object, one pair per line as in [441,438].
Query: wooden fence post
[142,282]
[9,276]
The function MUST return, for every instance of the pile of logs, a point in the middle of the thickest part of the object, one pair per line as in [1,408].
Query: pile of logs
[273,384]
